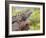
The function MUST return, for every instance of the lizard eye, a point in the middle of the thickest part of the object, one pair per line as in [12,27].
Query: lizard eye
[26,24]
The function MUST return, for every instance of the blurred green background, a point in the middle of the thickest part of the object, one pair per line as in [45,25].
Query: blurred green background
[34,17]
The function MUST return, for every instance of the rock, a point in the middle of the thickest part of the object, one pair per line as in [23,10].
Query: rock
[15,27]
